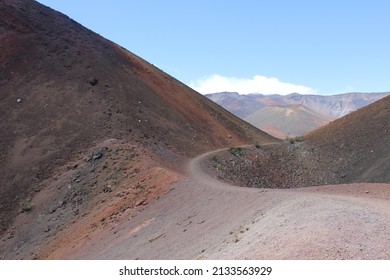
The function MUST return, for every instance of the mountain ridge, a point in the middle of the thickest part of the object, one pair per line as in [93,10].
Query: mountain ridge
[66,92]
[351,149]
[329,107]
[100,159]
[340,104]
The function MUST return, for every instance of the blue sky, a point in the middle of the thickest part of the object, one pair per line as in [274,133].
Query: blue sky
[267,46]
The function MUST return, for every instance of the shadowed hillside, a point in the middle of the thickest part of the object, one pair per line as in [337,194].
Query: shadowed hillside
[262,110]
[65,90]
[356,147]
[352,149]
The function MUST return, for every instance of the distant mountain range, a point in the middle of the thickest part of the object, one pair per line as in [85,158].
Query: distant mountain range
[277,114]
[104,156]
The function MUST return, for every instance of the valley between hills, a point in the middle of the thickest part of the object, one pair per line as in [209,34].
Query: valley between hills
[288,116]
[104,156]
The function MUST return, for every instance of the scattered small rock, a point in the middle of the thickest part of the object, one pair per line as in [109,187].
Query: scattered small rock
[98,154]
[61,203]
[107,189]
[154,238]
[93,82]
[141,201]
[10,235]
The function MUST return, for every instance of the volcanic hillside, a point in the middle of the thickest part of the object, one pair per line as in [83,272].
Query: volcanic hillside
[356,147]
[287,120]
[66,93]
[293,114]
[334,106]
[352,149]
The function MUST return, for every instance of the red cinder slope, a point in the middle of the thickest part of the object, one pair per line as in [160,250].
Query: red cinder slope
[65,89]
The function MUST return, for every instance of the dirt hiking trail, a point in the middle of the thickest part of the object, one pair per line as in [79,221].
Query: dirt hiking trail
[204,218]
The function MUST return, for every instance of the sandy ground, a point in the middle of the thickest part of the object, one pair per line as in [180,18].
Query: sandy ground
[203,218]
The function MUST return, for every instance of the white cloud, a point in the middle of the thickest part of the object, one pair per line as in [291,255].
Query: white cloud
[257,84]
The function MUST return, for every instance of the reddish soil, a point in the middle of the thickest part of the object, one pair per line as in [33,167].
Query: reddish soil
[325,222]
[64,92]
[99,153]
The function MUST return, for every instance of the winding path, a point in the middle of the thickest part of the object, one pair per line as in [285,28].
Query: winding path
[203,218]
